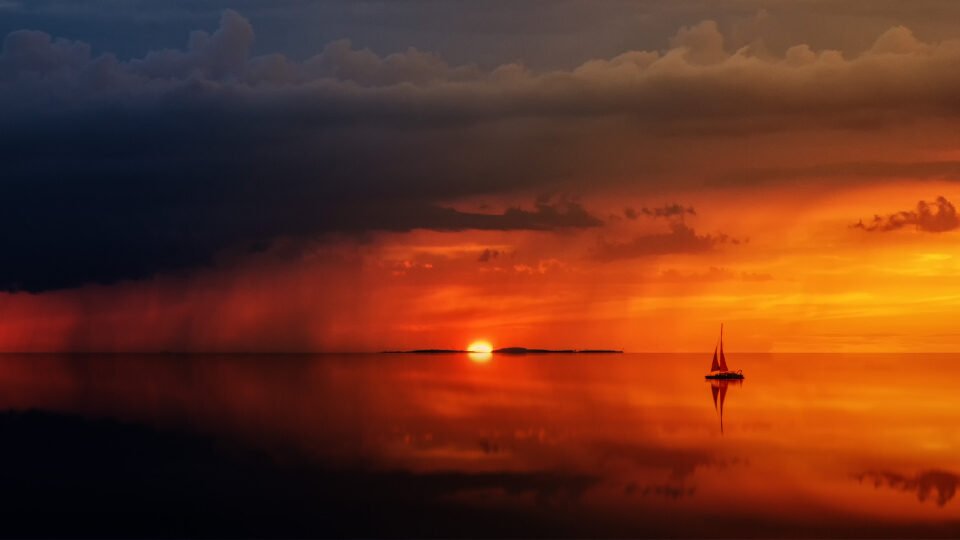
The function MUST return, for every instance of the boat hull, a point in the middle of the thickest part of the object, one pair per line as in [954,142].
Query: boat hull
[725,375]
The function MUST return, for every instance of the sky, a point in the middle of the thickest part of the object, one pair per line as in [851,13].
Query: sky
[296,176]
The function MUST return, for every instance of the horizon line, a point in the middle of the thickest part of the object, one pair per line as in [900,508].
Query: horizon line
[437,351]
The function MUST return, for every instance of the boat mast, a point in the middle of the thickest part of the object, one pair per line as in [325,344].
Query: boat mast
[723,359]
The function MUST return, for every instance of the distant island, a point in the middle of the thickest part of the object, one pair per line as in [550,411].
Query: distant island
[512,350]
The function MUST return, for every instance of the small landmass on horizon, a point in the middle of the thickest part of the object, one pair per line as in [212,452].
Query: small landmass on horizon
[512,350]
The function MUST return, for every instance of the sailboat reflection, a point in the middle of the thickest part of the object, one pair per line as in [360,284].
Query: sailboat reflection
[719,389]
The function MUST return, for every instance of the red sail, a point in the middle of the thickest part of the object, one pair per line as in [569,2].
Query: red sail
[723,360]
[714,366]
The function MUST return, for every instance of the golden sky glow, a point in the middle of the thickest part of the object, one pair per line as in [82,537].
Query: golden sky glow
[710,180]
[801,279]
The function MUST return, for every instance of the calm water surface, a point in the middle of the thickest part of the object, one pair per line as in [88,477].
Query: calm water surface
[449,445]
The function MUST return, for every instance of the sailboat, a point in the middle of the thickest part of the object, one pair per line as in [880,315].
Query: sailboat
[719,369]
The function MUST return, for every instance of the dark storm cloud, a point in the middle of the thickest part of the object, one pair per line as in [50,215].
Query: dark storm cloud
[945,170]
[544,33]
[353,84]
[681,239]
[937,216]
[157,164]
[669,211]
[115,169]
[392,217]
[672,210]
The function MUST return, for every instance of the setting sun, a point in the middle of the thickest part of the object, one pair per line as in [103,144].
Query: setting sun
[717,244]
[480,347]
[480,351]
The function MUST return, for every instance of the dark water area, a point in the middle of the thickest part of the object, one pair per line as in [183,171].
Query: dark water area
[477,445]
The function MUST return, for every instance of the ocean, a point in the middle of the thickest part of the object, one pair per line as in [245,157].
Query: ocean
[450,445]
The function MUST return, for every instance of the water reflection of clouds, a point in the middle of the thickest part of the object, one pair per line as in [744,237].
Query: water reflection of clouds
[923,484]
[680,462]
[640,468]
[67,475]
[595,435]
[669,491]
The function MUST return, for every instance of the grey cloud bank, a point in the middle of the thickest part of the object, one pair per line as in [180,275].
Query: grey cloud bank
[696,83]
[119,169]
